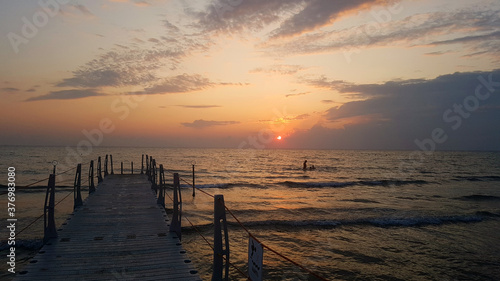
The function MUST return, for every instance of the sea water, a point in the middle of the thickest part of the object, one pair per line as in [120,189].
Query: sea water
[359,215]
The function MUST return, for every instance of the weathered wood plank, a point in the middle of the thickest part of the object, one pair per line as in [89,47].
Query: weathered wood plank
[119,233]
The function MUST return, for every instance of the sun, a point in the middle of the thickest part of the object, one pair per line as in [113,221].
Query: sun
[278,137]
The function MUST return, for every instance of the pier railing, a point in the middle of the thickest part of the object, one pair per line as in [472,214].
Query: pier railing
[220,247]
[157,176]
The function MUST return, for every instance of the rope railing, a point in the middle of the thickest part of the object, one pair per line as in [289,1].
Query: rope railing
[305,269]
[206,240]
[52,181]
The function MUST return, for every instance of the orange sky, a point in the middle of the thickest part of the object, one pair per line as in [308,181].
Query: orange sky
[218,73]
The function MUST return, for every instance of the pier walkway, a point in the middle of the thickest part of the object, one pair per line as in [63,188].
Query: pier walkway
[120,233]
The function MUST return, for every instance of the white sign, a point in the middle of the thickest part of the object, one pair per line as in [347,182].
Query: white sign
[255,257]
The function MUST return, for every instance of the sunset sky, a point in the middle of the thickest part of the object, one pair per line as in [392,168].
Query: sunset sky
[335,74]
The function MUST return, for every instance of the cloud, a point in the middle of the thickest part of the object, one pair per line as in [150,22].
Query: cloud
[67,95]
[298,94]
[179,84]
[83,9]
[183,83]
[126,67]
[138,3]
[201,124]
[170,27]
[397,113]
[296,16]
[438,53]
[231,17]
[142,3]
[76,11]
[318,13]
[279,69]
[10,89]
[476,28]
[140,62]
[301,117]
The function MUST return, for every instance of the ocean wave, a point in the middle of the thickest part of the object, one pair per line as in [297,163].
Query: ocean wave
[479,197]
[293,184]
[226,185]
[373,222]
[377,222]
[477,178]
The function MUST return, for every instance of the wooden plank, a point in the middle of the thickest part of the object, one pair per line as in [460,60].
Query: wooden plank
[119,233]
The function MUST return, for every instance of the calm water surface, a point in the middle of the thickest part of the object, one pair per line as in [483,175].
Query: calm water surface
[360,215]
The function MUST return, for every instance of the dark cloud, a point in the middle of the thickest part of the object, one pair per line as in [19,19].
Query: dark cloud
[200,124]
[396,114]
[296,16]
[318,13]
[229,16]
[475,28]
[67,95]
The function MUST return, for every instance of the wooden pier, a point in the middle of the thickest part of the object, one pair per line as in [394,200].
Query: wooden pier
[119,233]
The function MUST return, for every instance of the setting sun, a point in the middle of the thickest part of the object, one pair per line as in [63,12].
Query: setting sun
[278,137]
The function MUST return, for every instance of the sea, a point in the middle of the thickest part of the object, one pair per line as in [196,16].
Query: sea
[359,215]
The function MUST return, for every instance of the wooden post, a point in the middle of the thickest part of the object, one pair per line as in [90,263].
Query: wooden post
[106,166]
[148,168]
[161,193]
[193,181]
[132,167]
[111,162]
[154,185]
[77,195]
[175,225]
[121,169]
[221,248]
[91,177]
[49,224]
[99,170]
[151,168]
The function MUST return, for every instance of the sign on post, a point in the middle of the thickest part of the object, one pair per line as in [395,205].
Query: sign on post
[255,257]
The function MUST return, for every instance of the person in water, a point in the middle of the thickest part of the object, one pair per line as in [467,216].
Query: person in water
[305,166]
